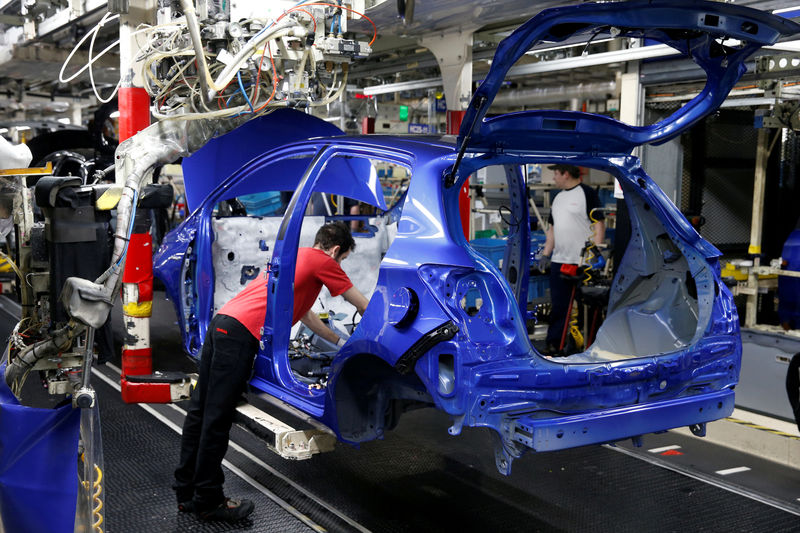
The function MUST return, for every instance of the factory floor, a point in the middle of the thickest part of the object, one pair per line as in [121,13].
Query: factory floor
[422,479]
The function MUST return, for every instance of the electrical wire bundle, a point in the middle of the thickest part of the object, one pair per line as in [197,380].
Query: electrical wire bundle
[231,74]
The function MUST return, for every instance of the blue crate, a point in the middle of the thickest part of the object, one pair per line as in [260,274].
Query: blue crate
[491,249]
[495,249]
[537,287]
[606,197]
[263,203]
[538,239]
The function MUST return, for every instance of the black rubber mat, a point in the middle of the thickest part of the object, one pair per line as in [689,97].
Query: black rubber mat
[421,479]
[140,456]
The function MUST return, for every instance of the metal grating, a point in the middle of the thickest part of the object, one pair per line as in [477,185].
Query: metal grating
[727,205]
[789,158]
[686,178]
[730,135]
[730,150]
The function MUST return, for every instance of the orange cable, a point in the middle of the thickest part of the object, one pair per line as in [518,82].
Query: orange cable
[274,80]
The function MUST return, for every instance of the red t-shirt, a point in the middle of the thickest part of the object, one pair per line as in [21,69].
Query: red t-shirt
[314,269]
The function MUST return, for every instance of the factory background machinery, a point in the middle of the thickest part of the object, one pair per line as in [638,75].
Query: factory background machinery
[109,96]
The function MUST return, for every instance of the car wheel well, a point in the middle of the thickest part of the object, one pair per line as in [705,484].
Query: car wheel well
[370,396]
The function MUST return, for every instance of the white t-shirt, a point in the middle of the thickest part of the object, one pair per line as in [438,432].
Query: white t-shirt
[569,216]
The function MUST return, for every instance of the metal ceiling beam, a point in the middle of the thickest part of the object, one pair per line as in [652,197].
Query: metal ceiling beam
[12,20]
[43,61]
[418,61]
[602,58]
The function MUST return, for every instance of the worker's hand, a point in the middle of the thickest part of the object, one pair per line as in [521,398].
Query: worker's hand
[543,263]
[341,342]
[594,257]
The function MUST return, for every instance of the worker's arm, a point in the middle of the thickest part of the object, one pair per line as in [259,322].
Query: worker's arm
[549,242]
[355,297]
[599,232]
[312,320]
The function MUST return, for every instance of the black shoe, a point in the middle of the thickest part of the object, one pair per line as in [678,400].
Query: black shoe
[186,507]
[228,511]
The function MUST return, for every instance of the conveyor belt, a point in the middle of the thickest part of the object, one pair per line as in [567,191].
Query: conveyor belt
[421,479]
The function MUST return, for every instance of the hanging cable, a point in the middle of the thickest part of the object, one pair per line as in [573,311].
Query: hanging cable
[14,267]
[91,71]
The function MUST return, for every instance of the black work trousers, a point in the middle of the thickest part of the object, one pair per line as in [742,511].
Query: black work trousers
[560,292]
[226,364]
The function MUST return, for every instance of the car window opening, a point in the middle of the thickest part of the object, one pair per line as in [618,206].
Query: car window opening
[310,356]
[657,286]
[245,229]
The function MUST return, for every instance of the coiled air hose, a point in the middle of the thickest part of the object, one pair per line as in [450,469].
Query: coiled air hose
[96,487]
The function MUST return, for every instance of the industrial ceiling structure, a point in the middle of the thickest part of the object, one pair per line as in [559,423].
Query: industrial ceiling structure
[36,37]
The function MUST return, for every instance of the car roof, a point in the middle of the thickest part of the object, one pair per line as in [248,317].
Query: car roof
[434,145]
[228,154]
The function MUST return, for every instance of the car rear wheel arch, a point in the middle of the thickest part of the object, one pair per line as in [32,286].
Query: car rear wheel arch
[370,395]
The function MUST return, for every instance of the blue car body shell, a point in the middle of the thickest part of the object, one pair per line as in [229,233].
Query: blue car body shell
[417,344]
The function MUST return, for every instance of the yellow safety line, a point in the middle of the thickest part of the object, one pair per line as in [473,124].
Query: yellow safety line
[762,428]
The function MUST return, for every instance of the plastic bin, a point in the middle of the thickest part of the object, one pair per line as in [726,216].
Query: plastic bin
[491,249]
[537,245]
[537,287]
[485,233]
[263,203]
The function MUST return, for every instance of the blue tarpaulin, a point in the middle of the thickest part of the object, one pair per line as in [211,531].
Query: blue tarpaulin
[38,466]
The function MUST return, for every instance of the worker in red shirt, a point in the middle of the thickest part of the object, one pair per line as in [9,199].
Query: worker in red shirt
[226,363]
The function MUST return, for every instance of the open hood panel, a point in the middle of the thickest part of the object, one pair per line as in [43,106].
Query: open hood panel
[718,37]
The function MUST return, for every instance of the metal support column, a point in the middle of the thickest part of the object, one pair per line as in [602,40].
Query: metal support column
[756,224]
[453,52]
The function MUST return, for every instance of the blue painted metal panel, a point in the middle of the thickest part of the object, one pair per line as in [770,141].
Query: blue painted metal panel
[222,156]
[548,434]
[168,266]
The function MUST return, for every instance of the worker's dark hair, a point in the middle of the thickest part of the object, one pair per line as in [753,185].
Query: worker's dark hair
[568,169]
[333,234]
